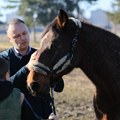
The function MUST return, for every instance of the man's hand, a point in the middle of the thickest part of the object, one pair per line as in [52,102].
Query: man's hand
[32,60]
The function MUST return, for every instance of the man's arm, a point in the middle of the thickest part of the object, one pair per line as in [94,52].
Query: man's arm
[19,78]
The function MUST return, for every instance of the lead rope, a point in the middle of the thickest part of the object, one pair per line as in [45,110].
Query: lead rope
[52,97]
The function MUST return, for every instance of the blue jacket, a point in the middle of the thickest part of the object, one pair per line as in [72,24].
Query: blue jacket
[18,73]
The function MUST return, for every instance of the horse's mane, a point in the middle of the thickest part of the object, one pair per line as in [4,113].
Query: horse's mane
[101,38]
[102,33]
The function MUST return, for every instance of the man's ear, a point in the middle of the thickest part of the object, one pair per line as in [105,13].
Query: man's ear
[9,39]
[62,19]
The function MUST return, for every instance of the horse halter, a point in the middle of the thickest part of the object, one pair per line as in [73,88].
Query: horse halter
[65,61]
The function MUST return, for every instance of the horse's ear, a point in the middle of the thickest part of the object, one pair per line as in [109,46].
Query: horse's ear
[62,18]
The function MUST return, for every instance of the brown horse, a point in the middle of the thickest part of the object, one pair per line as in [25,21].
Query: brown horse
[68,43]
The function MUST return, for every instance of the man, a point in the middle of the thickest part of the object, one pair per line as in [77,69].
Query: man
[21,57]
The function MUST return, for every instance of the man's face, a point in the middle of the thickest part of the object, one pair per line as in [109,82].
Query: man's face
[18,35]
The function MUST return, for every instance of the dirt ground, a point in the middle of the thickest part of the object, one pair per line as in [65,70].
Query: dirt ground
[76,101]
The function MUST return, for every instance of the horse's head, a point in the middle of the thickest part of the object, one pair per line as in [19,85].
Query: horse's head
[56,54]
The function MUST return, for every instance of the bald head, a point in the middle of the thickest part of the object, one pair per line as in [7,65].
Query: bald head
[15,22]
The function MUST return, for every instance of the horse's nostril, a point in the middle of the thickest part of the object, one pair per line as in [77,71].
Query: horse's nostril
[35,86]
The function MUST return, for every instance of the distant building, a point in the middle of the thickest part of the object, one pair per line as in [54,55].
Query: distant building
[3,28]
[100,18]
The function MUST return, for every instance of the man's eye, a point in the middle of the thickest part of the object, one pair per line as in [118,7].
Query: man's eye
[24,33]
[16,36]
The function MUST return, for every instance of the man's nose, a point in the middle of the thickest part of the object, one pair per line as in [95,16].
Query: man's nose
[22,37]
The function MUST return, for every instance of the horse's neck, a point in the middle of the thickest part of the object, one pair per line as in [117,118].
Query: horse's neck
[89,38]
[90,33]
[89,45]
[100,52]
